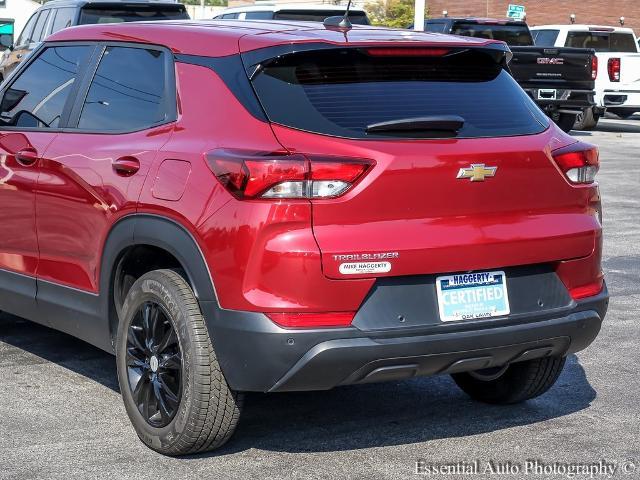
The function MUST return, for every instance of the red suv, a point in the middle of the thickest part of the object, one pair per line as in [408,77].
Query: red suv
[272,207]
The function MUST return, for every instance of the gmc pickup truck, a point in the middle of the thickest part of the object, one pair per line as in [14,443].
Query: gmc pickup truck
[560,80]
[618,78]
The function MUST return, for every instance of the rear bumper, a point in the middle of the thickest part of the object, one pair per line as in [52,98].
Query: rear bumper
[570,101]
[619,98]
[257,355]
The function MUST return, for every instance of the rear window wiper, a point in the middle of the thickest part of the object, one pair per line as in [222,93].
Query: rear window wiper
[433,123]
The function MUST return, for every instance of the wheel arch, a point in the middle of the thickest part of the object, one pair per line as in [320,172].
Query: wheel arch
[165,234]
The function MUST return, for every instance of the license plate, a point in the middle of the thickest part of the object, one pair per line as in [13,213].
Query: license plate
[471,296]
[547,94]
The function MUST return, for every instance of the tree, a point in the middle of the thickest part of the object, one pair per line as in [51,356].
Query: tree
[391,13]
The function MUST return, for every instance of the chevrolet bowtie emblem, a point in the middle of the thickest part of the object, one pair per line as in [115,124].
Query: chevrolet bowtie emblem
[477,172]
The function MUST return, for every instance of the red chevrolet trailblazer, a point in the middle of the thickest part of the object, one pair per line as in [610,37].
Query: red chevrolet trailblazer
[261,206]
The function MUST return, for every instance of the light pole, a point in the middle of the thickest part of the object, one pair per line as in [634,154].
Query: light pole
[418,18]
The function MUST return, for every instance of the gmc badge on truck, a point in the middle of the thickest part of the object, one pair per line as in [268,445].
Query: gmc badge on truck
[550,61]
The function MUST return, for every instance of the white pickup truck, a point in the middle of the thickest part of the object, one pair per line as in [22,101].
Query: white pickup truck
[618,80]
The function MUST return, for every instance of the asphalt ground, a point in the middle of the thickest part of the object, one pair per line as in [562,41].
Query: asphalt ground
[61,416]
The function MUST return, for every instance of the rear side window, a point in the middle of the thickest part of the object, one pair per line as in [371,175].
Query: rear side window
[128,92]
[602,41]
[357,18]
[229,15]
[63,19]
[131,14]
[38,96]
[515,35]
[545,38]
[340,92]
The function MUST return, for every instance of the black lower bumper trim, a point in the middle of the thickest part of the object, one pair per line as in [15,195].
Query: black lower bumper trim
[257,355]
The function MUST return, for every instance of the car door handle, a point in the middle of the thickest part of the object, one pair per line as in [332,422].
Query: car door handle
[27,157]
[126,166]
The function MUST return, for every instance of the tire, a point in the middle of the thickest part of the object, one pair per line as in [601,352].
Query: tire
[518,382]
[587,120]
[163,348]
[566,121]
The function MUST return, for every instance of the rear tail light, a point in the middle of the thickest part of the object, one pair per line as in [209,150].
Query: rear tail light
[312,320]
[279,175]
[579,162]
[594,67]
[613,66]
[407,52]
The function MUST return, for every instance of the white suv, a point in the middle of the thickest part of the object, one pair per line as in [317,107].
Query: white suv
[295,12]
[618,80]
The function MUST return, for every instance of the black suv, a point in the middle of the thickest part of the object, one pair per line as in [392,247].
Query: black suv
[58,14]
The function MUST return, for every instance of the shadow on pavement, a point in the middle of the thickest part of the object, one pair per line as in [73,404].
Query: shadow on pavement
[616,126]
[346,418]
[30,343]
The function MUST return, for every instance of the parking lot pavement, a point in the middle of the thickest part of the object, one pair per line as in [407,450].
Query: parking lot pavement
[61,416]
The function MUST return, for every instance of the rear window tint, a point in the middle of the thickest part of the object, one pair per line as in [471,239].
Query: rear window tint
[357,18]
[602,41]
[128,91]
[340,92]
[435,27]
[515,35]
[545,38]
[131,14]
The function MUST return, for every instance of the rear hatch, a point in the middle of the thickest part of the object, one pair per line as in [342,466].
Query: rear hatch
[454,116]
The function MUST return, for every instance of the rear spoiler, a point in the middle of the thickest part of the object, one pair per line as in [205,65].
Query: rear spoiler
[254,60]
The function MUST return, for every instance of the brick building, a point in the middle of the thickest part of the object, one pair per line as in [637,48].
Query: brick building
[544,12]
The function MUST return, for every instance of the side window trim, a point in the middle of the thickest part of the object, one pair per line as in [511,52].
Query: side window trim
[47,28]
[71,100]
[47,13]
[170,94]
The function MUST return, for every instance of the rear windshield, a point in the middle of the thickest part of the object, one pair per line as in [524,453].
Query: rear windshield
[120,14]
[357,18]
[545,38]
[602,41]
[340,92]
[515,35]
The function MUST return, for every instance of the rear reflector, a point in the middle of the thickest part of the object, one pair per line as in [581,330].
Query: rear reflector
[312,320]
[407,52]
[594,67]
[613,67]
[579,162]
[589,290]
[280,175]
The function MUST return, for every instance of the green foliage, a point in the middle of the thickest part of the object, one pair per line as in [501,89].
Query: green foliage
[391,13]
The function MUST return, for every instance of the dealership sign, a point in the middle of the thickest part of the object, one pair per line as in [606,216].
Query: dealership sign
[516,12]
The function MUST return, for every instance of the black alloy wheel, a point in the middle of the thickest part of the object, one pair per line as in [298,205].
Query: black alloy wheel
[154,365]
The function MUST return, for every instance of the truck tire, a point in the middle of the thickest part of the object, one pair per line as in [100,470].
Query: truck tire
[512,384]
[566,121]
[586,120]
[172,386]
